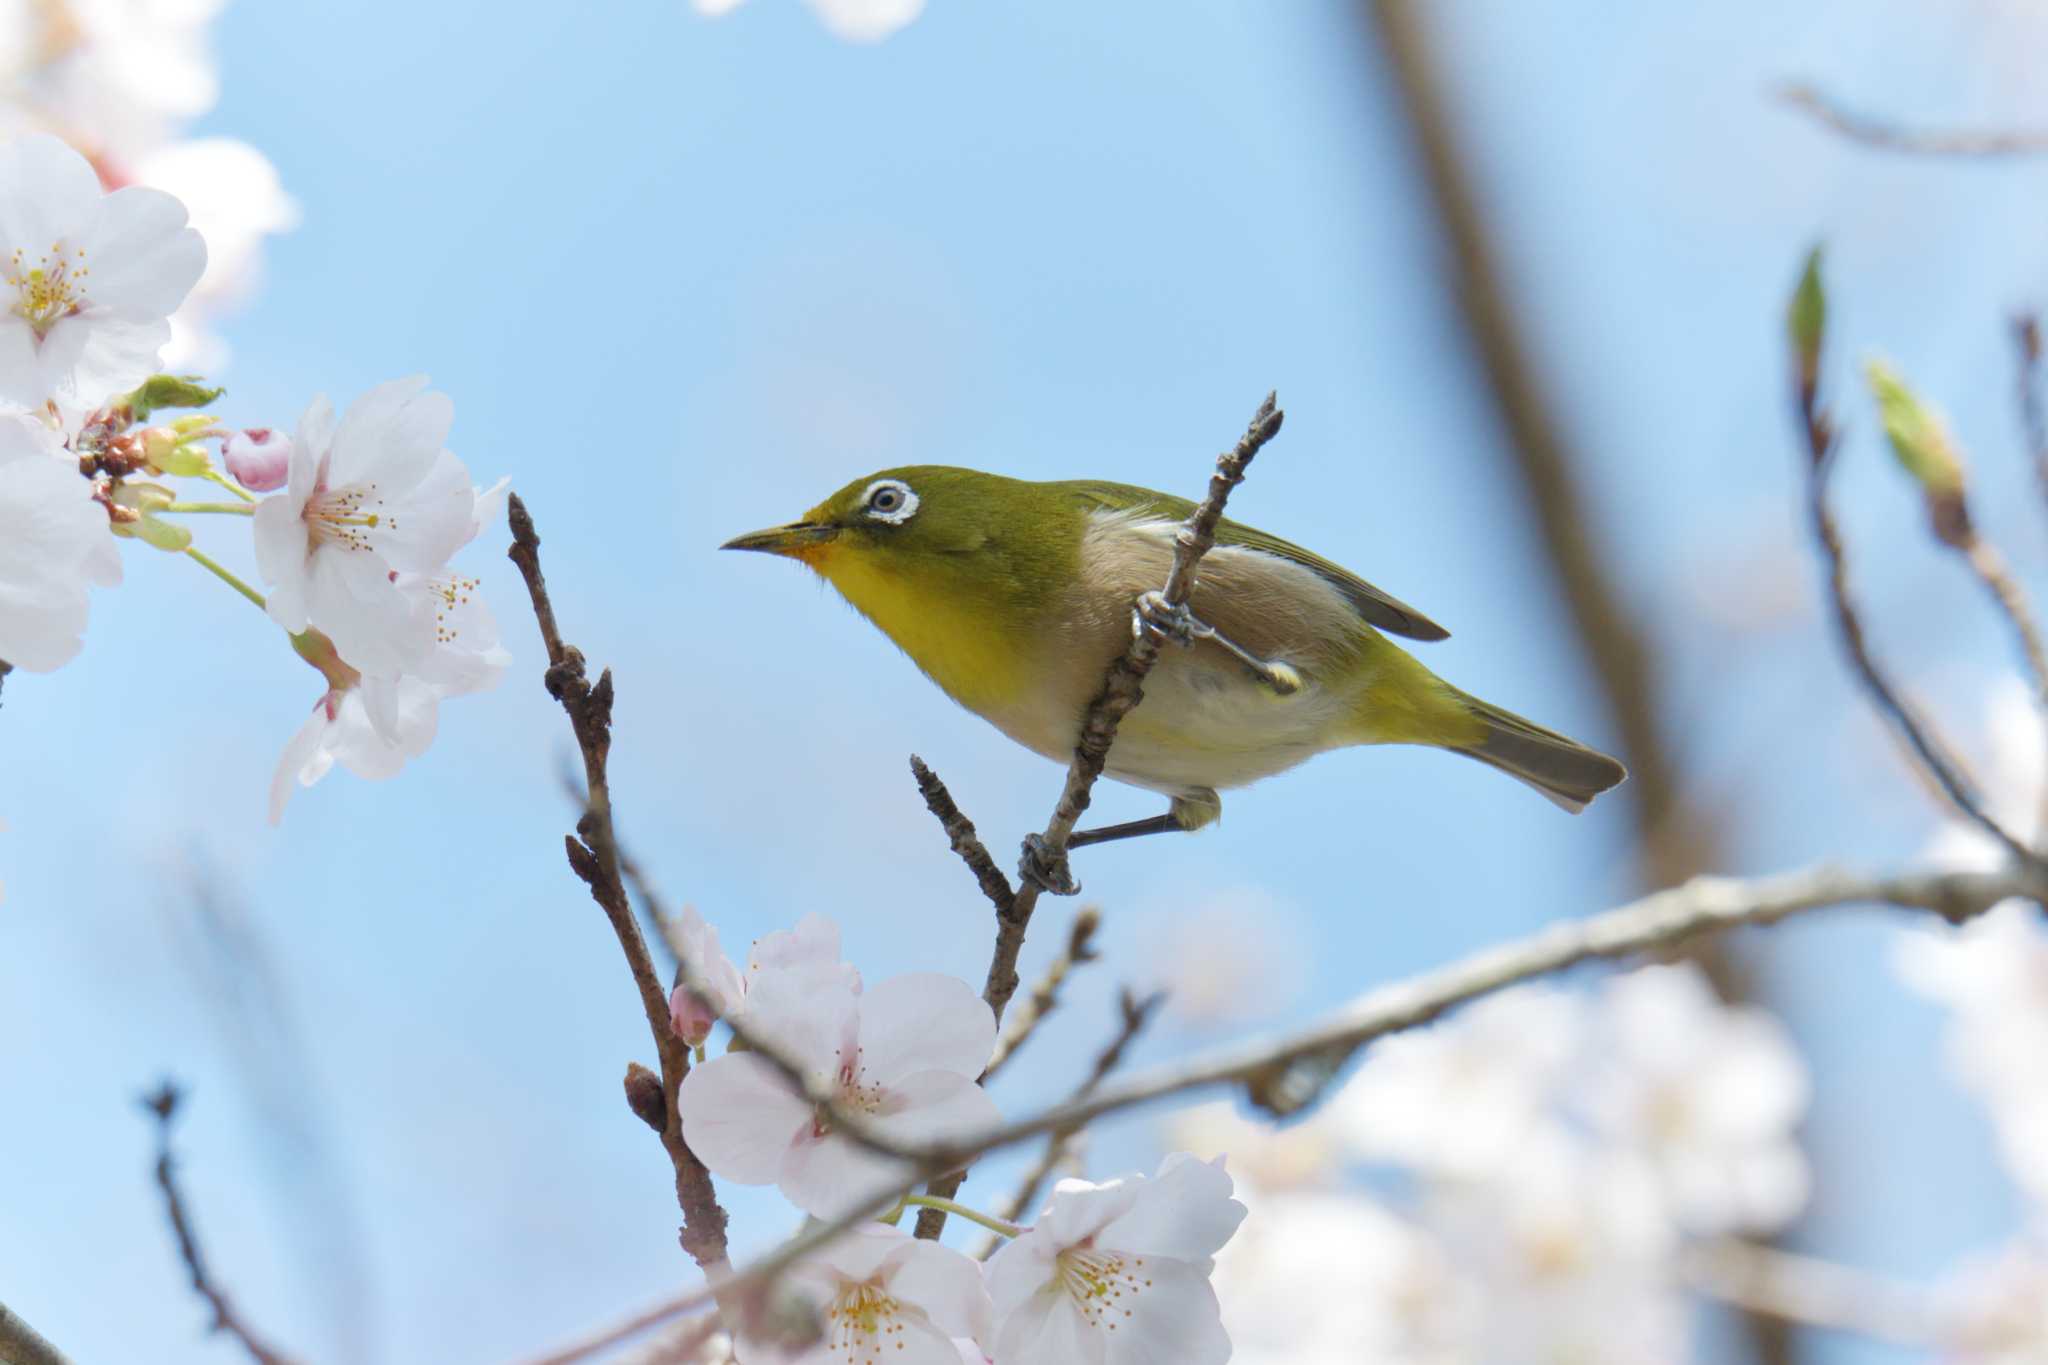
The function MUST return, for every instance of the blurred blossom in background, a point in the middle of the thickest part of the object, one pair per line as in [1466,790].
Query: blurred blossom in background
[685,267]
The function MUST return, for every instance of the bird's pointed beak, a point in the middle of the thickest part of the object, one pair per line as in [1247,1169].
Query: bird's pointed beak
[793,539]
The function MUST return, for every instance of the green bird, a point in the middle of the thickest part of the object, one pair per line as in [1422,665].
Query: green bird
[1014,597]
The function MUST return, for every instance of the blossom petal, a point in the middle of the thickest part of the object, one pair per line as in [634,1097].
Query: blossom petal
[47,190]
[1046,1329]
[113,354]
[143,257]
[1174,1317]
[946,1285]
[924,1021]
[1185,1211]
[740,1117]
[830,1177]
[298,752]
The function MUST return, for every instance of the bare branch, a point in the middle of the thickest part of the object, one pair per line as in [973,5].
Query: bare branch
[960,830]
[1122,689]
[2026,332]
[1133,1015]
[1936,759]
[594,857]
[1816,1293]
[1044,997]
[164,1105]
[1891,138]
[1992,570]
[1284,1074]
[21,1344]
[689,1336]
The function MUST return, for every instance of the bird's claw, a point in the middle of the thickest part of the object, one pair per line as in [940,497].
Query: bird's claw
[1155,614]
[1046,870]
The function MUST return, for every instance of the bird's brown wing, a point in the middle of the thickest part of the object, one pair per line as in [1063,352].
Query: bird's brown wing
[1377,608]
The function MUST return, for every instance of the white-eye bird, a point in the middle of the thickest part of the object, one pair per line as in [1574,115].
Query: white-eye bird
[1014,597]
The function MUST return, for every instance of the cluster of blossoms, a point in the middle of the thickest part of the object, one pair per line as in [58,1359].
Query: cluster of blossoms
[353,544]
[1110,1273]
[121,80]
[1515,1185]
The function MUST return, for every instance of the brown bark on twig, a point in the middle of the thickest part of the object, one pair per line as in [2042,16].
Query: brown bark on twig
[2026,333]
[1122,690]
[1045,996]
[164,1105]
[594,856]
[21,1344]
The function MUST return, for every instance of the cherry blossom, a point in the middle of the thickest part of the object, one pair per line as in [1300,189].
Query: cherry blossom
[260,458]
[883,1295]
[53,544]
[369,500]
[339,730]
[1458,1098]
[812,946]
[88,279]
[1709,1094]
[1118,1272]
[902,1056]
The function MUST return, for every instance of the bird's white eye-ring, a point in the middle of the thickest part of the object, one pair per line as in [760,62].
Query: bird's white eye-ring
[889,500]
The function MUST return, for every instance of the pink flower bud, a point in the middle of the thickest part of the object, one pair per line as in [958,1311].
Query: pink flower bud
[259,458]
[690,1017]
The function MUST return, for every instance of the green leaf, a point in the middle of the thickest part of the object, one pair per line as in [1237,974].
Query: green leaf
[169,391]
[1807,317]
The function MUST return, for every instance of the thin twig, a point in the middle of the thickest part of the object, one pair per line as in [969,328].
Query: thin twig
[1122,689]
[594,857]
[1044,997]
[164,1105]
[2026,332]
[1918,142]
[1992,570]
[1133,1015]
[693,1335]
[1936,759]
[960,831]
[21,1344]
[1816,1293]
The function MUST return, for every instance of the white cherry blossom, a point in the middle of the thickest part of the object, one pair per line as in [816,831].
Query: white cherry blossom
[87,279]
[1118,1273]
[902,1056]
[368,501]
[1457,1098]
[53,544]
[1710,1094]
[339,730]
[718,988]
[884,1296]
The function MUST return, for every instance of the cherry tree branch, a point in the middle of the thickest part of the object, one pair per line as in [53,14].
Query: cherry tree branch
[1044,997]
[21,1344]
[594,856]
[1935,758]
[1889,137]
[163,1103]
[1122,689]
[1816,1293]
[2026,335]
[960,832]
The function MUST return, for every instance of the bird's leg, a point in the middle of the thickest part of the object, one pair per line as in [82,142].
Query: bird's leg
[1190,811]
[1183,627]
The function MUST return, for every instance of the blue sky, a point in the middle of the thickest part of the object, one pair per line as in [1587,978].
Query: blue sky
[682,278]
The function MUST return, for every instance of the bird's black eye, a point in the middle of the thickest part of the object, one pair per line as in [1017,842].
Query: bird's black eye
[889,500]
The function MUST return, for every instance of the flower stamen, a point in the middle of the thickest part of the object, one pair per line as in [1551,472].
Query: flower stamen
[1102,1284]
[50,289]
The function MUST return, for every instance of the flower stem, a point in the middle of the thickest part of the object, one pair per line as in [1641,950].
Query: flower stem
[995,1225]
[207,563]
[233,509]
[215,476]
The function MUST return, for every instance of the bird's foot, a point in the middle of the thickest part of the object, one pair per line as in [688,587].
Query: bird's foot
[1155,614]
[1046,870]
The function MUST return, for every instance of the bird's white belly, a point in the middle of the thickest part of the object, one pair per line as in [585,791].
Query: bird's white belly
[1204,722]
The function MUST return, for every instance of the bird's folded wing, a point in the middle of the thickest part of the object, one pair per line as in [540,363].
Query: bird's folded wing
[1377,608]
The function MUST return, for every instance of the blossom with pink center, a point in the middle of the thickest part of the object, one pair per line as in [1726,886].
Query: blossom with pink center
[901,1057]
[87,279]
[53,544]
[368,500]
[883,1295]
[713,988]
[1118,1273]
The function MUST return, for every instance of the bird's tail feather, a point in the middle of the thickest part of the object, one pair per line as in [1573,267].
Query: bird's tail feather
[1564,770]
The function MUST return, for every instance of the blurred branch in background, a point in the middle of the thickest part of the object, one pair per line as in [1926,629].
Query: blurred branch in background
[2026,332]
[21,1344]
[1815,1293]
[164,1105]
[1674,840]
[1919,142]
[1044,997]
